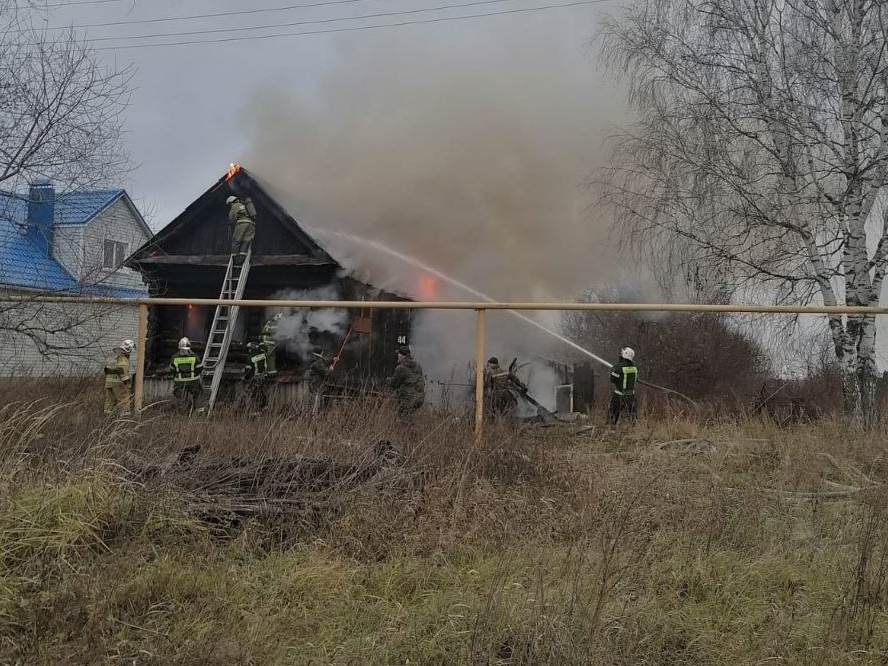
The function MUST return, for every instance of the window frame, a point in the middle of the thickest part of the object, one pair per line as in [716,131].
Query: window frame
[119,253]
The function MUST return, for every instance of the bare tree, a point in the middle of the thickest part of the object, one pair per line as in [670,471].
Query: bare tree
[61,112]
[60,107]
[759,153]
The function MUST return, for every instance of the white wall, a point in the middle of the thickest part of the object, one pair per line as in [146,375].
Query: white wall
[118,223]
[67,247]
[80,336]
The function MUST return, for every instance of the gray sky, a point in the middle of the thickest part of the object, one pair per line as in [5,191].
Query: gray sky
[302,111]
[187,119]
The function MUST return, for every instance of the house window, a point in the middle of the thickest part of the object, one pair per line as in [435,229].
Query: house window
[115,254]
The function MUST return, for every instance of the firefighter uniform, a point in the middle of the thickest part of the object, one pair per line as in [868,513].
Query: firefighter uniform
[498,398]
[243,229]
[117,384]
[256,376]
[269,344]
[624,377]
[409,384]
[186,367]
[319,373]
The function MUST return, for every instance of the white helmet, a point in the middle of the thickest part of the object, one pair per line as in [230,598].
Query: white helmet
[184,343]
[127,346]
[230,200]
[628,353]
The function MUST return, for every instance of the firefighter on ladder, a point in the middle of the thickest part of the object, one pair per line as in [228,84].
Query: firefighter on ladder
[186,367]
[243,228]
[256,377]
[267,339]
[624,377]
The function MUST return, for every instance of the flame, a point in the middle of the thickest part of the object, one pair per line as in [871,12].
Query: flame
[233,168]
[427,287]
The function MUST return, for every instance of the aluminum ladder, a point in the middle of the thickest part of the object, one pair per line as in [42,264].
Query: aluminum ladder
[221,332]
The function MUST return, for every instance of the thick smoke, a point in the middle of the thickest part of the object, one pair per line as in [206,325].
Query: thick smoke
[295,329]
[468,149]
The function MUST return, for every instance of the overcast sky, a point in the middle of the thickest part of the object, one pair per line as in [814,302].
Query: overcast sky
[187,117]
[520,97]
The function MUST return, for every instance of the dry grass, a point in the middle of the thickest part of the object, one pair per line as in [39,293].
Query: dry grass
[355,540]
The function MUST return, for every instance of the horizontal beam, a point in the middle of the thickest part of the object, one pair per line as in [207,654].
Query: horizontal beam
[221,260]
[462,305]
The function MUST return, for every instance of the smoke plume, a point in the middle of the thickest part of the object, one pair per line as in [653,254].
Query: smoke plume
[298,325]
[470,154]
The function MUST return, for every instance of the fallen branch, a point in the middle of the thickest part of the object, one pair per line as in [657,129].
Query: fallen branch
[695,445]
[857,475]
[847,491]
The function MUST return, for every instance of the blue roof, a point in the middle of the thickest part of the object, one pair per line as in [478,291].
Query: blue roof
[70,207]
[24,265]
[81,207]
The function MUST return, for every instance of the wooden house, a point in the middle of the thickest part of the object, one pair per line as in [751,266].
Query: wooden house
[188,259]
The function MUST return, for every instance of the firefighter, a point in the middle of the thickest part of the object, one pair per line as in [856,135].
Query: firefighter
[186,367]
[497,395]
[269,343]
[243,228]
[408,382]
[318,374]
[624,377]
[256,376]
[117,380]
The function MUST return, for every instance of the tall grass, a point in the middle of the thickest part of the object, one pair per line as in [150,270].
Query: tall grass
[353,538]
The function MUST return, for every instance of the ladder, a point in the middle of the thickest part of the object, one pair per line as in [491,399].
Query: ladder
[222,329]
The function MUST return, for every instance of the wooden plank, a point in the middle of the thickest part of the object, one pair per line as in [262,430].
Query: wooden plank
[222,260]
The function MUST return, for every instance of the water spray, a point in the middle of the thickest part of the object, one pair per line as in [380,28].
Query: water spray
[413,261]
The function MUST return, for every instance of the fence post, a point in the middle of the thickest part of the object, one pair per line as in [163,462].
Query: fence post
[142,351]
[479,375]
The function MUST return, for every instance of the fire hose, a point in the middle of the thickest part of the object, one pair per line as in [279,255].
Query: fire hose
[342,348]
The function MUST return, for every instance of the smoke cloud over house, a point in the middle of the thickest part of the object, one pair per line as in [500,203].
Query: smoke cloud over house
[472,156]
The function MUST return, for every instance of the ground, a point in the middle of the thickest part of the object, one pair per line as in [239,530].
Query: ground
[357,540]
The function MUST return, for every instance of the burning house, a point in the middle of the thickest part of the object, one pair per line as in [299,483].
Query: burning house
[188,259]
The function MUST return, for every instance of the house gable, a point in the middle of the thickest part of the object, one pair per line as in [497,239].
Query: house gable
[67,263]
[202,230]
[108,239]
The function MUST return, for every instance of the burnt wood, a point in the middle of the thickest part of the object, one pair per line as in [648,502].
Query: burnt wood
[188,257]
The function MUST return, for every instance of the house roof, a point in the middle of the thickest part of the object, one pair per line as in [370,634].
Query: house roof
[81,207]
[242,184]
[23,265]
[74,208]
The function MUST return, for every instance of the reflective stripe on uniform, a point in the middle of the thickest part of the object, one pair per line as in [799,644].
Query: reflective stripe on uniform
[256,361]
[185,368]
[629,370]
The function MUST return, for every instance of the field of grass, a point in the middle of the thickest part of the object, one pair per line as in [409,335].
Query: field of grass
[355,540]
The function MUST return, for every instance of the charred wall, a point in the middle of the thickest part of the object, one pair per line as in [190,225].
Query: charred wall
[369,353]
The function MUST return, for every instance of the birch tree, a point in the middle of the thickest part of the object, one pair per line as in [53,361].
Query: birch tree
[759,153]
